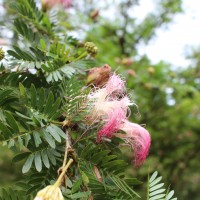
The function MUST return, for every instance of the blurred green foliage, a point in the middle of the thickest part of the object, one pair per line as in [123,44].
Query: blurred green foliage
[9,171]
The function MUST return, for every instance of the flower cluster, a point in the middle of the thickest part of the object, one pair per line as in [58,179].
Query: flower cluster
[110,105]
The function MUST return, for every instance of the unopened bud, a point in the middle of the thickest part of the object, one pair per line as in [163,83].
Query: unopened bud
[53,192]
[50,192]
[2,54]
[91,48]
[98,76]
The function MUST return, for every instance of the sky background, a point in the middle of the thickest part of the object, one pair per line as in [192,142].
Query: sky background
[171,44]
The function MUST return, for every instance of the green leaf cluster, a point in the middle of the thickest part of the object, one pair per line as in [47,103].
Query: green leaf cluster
[156,191]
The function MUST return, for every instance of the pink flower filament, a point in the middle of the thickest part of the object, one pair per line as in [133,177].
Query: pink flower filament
[139,139]
[114,120]
[115,83]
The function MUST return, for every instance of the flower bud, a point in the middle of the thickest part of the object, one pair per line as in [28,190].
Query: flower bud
[51,192]
[98,76]
[91,48]
[2,54]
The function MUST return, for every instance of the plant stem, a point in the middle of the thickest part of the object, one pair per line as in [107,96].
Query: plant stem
[67,146]
[56,122]
[81,56]
[58,182]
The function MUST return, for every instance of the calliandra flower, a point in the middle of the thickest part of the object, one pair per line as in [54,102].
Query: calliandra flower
[109,105]
[138,138]
[102,110]
[104,100]
[114,120]
[50,192]
[66,3]
[115,83]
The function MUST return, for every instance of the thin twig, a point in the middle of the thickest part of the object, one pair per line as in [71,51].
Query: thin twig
[67,147]
[58,182]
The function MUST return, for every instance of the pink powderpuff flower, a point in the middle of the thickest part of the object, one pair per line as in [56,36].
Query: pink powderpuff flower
[115,83]
[138,138]
[103,110]
[109,98]
[113,123]
[109,105]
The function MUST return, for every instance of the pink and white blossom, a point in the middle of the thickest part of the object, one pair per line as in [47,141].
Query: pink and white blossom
[109,105]
[138,138]
[115,83]
[113,122]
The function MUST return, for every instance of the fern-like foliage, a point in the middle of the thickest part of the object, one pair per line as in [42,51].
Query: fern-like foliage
[28,12]
[8,100]
[155,190]
[32,127]
[44,52]
[75,99]
[112,182]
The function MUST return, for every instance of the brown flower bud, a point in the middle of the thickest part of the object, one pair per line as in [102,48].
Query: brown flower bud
[98,76]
